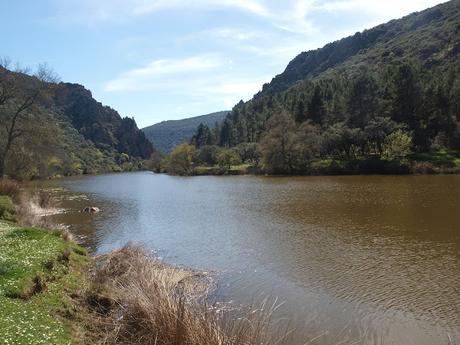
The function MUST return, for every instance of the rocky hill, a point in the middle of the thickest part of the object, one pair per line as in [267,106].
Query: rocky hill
[430,37]
[53,128]
[100,124]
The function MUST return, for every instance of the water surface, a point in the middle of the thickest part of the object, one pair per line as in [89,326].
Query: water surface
[365,259]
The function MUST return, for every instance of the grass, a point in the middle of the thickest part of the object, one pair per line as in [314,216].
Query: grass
[47,296]
[51,292]
[443,158]
[39,271]
[240,169]
[7,208]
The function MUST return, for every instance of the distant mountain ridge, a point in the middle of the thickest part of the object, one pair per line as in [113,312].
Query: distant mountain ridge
[168,134]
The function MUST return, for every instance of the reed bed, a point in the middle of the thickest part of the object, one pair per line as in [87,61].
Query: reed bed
[10,188]
[136,299]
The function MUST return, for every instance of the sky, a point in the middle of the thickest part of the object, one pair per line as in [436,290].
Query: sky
[158,60]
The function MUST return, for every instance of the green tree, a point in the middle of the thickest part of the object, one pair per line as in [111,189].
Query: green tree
[203,136]
[207,154]
[398,146]
[316,106]
[228,157]
[180,161]
[277,145]
[123,158]
[308,144]
[343,142]
[376,132]
[363,99]
[20,100]
[226,133]
[248,152]
[300,112]
[156,162]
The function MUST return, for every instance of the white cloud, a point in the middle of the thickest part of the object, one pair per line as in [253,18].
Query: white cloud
[235,34]
[96,11]
[242,87]
[148,6]
[198,77]
[294,18]
[143,77]
[223,35]
[249,49]
[393,8]
[289,16]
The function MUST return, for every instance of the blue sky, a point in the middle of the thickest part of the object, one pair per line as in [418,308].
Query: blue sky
[157,60]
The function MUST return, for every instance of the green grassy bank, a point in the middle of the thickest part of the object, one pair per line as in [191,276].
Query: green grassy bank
[42,276]
[241,169]
[52,292]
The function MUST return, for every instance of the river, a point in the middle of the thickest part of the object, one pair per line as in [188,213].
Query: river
[352,259]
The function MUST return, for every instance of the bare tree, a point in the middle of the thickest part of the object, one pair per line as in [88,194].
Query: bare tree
[20,98]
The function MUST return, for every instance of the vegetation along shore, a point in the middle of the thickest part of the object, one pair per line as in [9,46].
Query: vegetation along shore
[53,292]
[382,101]
[250,159]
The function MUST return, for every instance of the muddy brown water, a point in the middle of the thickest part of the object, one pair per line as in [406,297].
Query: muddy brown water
[365,259]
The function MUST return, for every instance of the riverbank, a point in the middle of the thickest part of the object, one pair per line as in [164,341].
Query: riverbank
[423,164]
[43,273]
[53,292]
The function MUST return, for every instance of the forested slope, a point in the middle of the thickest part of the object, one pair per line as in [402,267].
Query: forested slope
[386,94]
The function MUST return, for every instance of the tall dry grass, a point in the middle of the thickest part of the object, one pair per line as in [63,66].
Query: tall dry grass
[10,188]
[33,207]
[30,206]
[139,300]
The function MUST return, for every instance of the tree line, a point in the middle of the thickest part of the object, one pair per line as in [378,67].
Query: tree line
[385,115]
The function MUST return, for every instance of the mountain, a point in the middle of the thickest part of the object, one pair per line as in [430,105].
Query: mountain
[100,124]
[347,100]
[60,129]
[168,134]
[430,37]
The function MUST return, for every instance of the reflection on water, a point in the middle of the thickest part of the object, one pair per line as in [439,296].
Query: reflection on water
[372,259]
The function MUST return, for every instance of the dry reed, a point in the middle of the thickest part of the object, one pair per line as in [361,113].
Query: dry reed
[10,188]
[137,299]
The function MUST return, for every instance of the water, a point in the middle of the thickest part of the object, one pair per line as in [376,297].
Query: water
[365,259]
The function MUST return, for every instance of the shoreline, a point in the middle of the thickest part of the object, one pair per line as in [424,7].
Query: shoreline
[126,296]
[329,171]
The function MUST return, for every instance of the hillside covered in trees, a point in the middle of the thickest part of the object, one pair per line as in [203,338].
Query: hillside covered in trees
[384,100]
[168,134]
[50,128]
